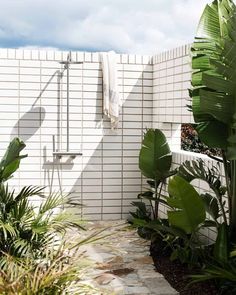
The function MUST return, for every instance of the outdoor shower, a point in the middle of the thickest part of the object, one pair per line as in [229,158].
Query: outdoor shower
[67,152]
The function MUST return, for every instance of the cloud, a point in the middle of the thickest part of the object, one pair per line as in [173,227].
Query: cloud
[132,26]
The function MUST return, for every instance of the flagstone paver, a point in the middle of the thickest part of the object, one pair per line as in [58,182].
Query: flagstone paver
[122,263]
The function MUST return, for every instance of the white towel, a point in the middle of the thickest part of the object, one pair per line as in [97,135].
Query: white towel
[111,100]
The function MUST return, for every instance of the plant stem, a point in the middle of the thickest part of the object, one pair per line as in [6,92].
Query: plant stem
[156,201]
[227,180]
[153,211]
[162,183]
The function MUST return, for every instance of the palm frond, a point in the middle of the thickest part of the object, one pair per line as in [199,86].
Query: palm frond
[58,273]
[52,202]
[65,220]
[29,191]
[6,197]
[191,170]
[7,229]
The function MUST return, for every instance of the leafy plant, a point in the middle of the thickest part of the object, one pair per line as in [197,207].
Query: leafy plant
[181,231]
[155,160]
[224,274]
[25,229]
[189,212]
[35,258]
[213,94]
[179,235]
[175,242]
[214,204]
[141,211]
[59,271]
[11,159]
[51,276]
[213,106]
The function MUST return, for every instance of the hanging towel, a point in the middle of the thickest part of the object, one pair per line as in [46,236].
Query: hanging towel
[111,101]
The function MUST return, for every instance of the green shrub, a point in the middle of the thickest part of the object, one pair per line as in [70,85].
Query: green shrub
[34,257]
[155,163]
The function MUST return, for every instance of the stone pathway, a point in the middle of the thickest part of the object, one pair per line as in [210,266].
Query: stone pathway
[122,263]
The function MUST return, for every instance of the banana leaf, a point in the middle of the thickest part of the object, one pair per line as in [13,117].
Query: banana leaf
[11,159]
[189,210]
[214,75]
[155,156]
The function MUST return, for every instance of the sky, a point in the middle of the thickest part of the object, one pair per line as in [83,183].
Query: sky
[125,26]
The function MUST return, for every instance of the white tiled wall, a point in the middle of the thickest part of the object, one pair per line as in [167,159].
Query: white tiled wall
[106,179]
[171,81]
[33,106]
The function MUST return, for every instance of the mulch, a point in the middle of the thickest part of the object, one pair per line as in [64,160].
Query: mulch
[177,275]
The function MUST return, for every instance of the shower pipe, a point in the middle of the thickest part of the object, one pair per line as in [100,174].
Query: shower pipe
[59,154]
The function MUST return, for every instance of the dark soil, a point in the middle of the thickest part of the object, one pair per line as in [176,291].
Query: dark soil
[176,274]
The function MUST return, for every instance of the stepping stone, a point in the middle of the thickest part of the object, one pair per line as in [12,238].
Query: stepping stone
[122,263]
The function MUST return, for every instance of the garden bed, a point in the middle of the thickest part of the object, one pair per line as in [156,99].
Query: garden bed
[177,275]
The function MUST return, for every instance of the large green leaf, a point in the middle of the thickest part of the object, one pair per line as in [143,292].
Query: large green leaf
[155,156]
[211,205]
[213,133]
[11,159]
[221,247]
[198,169]
[209,23]
[190,211]
[214,76]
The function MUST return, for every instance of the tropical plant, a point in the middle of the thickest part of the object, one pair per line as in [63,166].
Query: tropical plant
[35,257]
[215,204]
[11,159]
[173,242]
[60,270]
[214,92]
[213,106]
[142,213]
[224,274]
[189,212]
[25,228]
[155,161]
[181,230]
[52,276]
